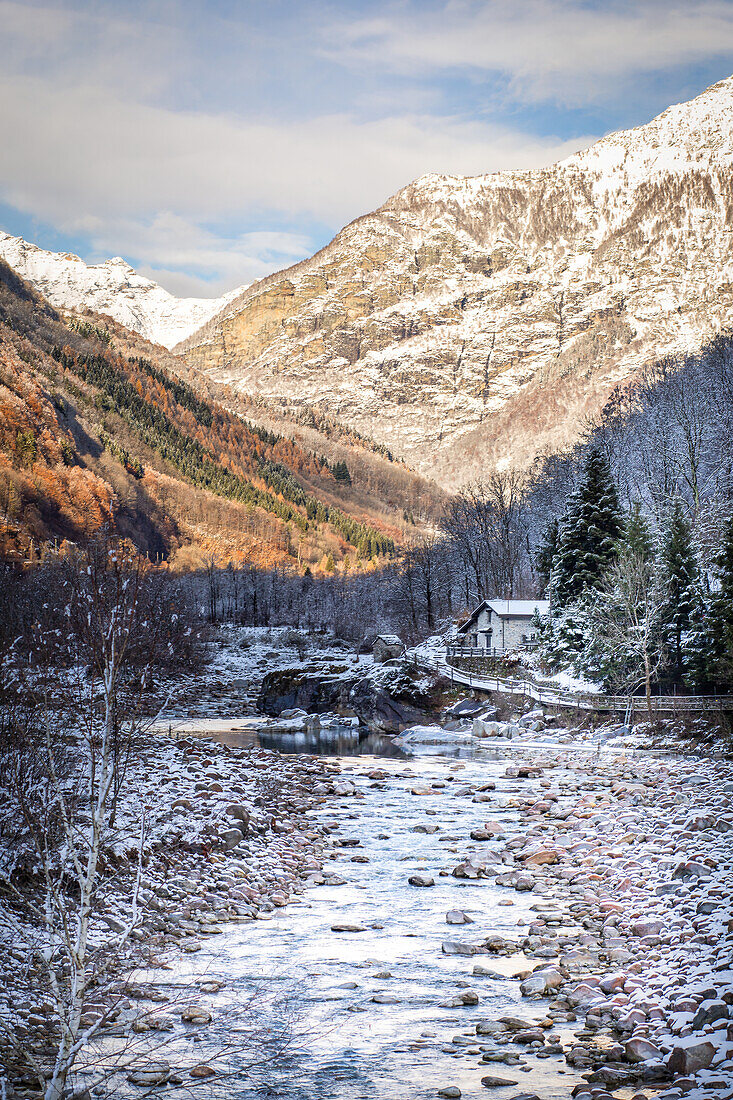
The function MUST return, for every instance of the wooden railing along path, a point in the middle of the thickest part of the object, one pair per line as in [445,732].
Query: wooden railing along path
[591,701]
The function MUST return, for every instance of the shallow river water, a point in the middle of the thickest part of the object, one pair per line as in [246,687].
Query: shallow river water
[345,1045]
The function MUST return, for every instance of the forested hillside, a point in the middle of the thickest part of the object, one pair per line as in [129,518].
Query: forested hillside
[630,533]
[95,430]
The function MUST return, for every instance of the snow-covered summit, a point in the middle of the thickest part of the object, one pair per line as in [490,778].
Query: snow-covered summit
[112,287]
[471,323]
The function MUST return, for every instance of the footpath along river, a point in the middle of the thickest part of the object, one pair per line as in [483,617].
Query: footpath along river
[379,1002]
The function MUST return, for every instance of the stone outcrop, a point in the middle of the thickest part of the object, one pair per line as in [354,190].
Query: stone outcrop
[387,700]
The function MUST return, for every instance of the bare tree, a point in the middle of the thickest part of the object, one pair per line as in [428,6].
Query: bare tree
[62,774]
[626,622]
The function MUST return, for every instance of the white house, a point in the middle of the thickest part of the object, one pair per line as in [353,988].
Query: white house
[501,624]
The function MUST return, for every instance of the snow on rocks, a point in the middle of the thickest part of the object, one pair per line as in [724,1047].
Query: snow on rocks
[200,872]
[646,881]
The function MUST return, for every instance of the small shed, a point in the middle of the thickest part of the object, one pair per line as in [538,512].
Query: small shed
[387,647]
[499,625]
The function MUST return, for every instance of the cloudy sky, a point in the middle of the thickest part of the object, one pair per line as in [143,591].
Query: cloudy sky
[211,141]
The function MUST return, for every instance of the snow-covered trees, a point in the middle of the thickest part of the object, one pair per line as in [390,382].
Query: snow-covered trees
[681,577]
[70,721]
[589,533]
[710,645]
[626,623]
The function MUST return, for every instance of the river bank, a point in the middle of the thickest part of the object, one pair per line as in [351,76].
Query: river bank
[542,917]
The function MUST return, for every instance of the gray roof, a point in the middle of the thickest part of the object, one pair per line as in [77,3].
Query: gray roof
[389,639]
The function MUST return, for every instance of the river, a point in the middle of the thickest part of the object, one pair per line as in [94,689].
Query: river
[318,986]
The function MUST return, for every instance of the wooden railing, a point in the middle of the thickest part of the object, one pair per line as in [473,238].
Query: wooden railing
[555,696]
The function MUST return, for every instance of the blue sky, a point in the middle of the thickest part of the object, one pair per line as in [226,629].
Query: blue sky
[212,142]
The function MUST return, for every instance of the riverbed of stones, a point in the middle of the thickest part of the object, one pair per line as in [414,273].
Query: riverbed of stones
[625,964]
[629,863]
[227,840]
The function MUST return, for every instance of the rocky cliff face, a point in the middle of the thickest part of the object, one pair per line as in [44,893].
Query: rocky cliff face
[470,323]
[113,288]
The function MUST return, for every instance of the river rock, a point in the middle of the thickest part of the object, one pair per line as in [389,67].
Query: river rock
[490,1082]
[455,947]
[541,857]
[691,1055]
[708,1013]
[240,813]
[421,880]
[196,1014]
[457,916]
[202,1071]
[153,1073]
[451,1092]
[230,838]
[639,1049]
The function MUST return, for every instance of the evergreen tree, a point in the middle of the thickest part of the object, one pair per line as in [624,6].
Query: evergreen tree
[719,621]
[637,536]
[589,534]
[545,554]
[681,575]
[341,472]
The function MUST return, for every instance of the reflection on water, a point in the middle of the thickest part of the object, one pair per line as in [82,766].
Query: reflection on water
[341,741]
[335,741]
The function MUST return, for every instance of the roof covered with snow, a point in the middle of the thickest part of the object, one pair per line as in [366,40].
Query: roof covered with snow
[507,609]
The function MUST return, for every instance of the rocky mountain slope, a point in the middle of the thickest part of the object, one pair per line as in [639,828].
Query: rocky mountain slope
[113,288]
[471,323]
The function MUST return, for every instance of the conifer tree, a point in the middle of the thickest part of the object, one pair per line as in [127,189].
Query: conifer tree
[545,554]
[589,534]
[681,576]
[637,536]
[719,621]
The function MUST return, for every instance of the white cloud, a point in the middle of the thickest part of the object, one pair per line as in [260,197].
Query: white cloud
[189,260]
[95,139]
[560,49]
[91,162]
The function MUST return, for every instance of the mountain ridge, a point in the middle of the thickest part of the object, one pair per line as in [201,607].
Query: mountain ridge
[476,323]
[112,287]
[462,300]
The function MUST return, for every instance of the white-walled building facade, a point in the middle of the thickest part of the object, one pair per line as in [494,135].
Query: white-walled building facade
[499,625]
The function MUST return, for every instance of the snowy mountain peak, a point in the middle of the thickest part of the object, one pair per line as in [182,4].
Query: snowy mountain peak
[112,287]
[470,323]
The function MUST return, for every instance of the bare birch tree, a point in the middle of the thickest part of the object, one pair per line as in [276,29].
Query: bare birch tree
[62,773]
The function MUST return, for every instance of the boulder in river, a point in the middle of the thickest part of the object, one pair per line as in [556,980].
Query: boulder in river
[387,700]
[455,947]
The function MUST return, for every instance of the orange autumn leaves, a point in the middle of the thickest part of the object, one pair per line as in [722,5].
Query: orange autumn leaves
[42,490]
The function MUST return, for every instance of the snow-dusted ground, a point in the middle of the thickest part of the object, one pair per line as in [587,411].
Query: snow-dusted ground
[570,913]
